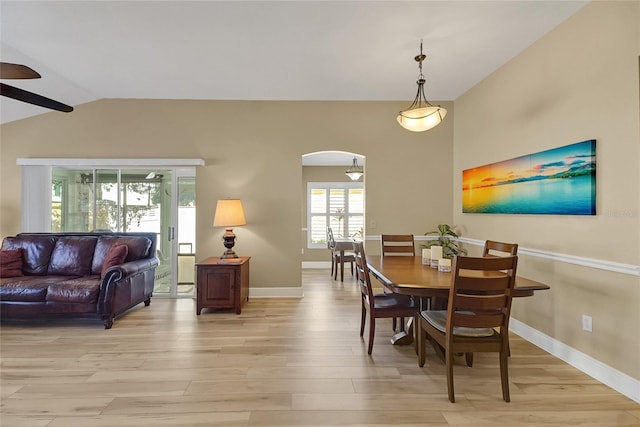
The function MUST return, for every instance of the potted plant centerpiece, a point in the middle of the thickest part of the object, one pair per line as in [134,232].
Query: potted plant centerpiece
[450,247]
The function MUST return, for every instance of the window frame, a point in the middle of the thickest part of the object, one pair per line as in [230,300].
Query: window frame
[327,214]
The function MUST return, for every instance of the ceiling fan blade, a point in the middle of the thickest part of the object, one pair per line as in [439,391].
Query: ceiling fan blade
[32,98]
[17,71]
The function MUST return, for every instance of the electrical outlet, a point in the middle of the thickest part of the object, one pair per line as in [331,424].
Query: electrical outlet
[302,251]
[373,223]
[587,323]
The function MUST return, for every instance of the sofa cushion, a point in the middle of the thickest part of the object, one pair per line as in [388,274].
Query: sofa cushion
[138,247]
[75,290]
[73,255]
[115,256]
[28,288]
[37,252]
[11,262]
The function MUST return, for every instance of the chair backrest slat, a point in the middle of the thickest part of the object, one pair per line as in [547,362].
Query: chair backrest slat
[331,241]
[478,303]
[484,284]
[398,244]
[479,320]
[493,248]
[362,271]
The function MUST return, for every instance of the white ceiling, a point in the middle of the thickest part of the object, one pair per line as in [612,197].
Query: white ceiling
[263,50]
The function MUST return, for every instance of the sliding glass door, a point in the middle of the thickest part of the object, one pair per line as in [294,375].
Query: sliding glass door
[128,200]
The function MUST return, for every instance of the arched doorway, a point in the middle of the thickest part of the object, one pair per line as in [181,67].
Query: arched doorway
[330,199]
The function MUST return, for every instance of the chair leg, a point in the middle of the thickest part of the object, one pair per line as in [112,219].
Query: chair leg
[469,359]
[504,375]
[333,263]
[394,324]
[421,339]
[449,363]
[363,318]
[372,332]
[402,324]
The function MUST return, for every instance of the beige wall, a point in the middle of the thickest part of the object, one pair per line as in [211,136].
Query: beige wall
[252,151]
[579,82]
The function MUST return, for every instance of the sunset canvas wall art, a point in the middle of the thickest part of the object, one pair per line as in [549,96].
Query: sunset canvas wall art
[560,181]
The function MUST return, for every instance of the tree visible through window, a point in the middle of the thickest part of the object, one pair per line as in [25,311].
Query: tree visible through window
[339,205]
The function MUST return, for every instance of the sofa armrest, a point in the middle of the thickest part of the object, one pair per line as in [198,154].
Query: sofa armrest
[126,285]
[130,268]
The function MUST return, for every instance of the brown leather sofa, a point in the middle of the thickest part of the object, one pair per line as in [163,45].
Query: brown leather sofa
[78,274]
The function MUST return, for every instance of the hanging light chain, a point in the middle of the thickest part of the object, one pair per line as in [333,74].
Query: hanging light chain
[419,59]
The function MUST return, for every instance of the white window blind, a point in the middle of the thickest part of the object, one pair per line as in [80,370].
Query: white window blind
[339,205]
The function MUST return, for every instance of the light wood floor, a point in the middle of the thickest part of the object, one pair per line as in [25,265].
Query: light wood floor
[282,362]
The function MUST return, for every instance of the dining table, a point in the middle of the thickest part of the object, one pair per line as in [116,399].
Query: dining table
[408,276]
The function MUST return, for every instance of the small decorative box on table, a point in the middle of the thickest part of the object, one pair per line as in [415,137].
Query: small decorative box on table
[222,283]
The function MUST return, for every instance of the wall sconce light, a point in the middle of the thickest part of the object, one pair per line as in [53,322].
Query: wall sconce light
[229,214]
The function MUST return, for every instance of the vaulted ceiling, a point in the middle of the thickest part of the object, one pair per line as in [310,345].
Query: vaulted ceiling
[263,50]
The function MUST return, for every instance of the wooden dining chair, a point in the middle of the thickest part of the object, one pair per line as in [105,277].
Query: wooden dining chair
[477,315]
[493,248]
[337,257]
[377,305]
[398,245]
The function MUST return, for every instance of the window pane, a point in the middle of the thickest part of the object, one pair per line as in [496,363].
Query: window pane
[108,213]
[336,199]
[356,200]
[72,201]
[318,229]
[318,202]
[356,226]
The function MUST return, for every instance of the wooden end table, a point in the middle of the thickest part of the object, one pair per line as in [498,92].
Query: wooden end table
[222,283]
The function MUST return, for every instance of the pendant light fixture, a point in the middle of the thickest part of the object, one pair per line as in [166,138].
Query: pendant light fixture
[421,115]
[355,171]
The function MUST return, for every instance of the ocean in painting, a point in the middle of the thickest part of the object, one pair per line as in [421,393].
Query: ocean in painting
[560,181]
[560,196]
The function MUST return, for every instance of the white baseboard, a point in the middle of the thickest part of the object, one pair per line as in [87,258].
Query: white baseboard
[607,375]
[293,292]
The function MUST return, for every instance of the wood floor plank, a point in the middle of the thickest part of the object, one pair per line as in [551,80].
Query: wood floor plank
[199,419]
[274,385]
[282,362]
[110,389]
[371,418]
[488,418]
[188,404]
[25,421]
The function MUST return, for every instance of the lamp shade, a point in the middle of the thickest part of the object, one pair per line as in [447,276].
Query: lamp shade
[229,213]
[421,119]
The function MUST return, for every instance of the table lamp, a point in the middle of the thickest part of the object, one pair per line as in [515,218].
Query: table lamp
[229,213]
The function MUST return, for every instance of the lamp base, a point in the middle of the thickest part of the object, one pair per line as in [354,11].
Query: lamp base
[228,254]
[229,242]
